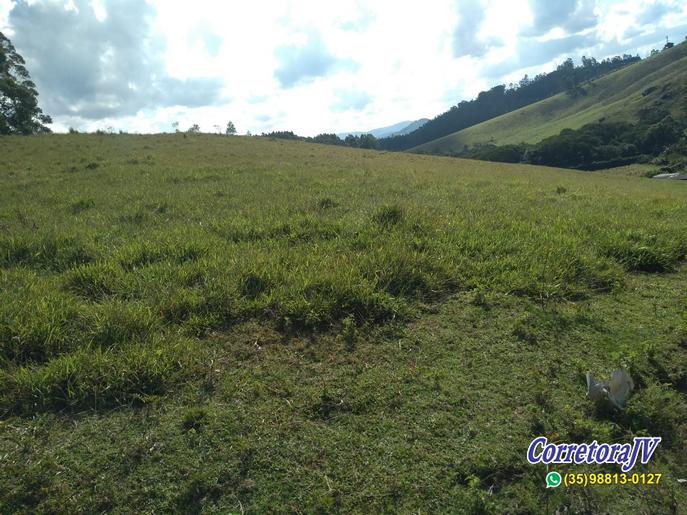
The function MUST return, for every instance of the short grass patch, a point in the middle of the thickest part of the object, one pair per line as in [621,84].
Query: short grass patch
[204,323]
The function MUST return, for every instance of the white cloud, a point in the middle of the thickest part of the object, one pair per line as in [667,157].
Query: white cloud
[312,66]
[5,8]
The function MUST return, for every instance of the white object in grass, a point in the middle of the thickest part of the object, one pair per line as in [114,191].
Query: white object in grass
[617,390]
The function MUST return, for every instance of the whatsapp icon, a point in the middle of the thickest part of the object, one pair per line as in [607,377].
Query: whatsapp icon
[553,480]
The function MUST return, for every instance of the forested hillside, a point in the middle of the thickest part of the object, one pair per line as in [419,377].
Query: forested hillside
[633,115]
[504,99]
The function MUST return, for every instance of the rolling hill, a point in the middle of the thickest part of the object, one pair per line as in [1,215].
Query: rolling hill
[657,82]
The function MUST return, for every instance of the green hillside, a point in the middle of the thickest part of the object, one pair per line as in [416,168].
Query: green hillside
[198,323]
[658,81]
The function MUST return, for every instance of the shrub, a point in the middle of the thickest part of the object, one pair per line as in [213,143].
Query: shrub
[501,154]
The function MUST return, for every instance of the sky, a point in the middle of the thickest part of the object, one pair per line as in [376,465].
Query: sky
[301,65]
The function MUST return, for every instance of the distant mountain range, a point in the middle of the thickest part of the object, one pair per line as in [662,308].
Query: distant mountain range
[398,129]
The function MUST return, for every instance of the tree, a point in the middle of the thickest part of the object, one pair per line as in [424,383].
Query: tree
[367,141]
[19,111]
[231,129]
[193,129]
[591,62]
[328,139]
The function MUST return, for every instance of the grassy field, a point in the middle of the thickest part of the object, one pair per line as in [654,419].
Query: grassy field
[229,324]
[657,81]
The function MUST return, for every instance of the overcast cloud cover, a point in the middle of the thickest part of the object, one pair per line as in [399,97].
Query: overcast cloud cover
[306,66]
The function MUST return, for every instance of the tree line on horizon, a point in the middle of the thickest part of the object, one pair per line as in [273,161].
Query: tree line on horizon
[368,141]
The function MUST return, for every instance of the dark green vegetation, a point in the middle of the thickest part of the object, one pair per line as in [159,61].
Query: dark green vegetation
[366,141]
[657,138]
[19,111]
[237,324]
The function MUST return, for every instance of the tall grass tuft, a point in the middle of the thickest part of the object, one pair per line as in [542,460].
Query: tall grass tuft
[387,216]
[93,379]
[48,251]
